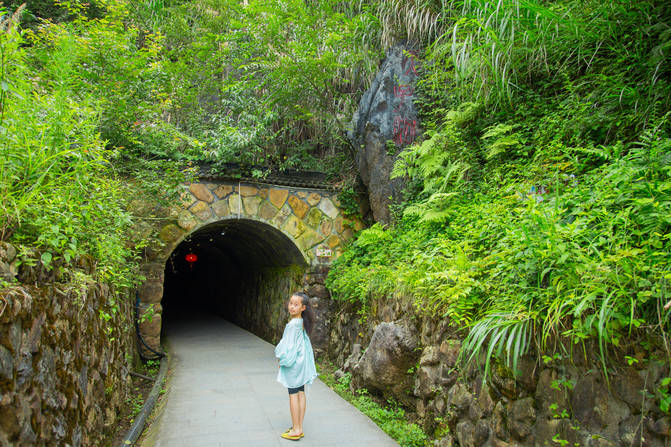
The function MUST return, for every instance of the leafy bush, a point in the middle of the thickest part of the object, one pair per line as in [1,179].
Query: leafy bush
[576,258]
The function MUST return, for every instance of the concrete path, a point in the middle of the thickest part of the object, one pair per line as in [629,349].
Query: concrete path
[223,392]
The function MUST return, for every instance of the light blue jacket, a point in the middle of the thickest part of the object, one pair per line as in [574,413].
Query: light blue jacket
[297,360]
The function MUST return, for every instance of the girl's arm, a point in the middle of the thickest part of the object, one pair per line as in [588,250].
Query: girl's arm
[287,350]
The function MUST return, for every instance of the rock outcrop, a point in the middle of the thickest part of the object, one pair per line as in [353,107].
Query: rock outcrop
[385,364]
[385,122]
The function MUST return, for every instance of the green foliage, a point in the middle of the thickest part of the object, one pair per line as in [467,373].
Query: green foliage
[55,178]
[539,214]
[664,391]
[349,200]
[577,259]
[606,81]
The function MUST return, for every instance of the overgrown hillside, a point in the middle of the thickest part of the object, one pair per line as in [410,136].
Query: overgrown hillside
[538,205]
[104,102]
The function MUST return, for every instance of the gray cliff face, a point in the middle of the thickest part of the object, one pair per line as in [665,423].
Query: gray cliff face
[386,114]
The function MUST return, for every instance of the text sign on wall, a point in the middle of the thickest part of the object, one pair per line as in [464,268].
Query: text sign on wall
[324,252]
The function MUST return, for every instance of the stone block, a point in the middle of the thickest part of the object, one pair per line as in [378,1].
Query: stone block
[314,198]
[465,431]
[7,252]
[263,193]
[281,217]
[170,233]
[522,417]
[6,364]
[299,207]
[187,199]
[302,194]
[449,351]
[326,227]
[459,398]
[267,211]
[251,205]
[309,239]
[151,328]
[278,197]
[186,220]
[427,382]
[248,191]
[384,365]
[201,192]
[201,210]
[430,356]
[338,223]
[328,208]
[11,339]
[151,292]
[235,204]
[318,290]
[333,241]
[223,190]
[220,208]
[629,386]
[294,226]
[485,402]
[314,218]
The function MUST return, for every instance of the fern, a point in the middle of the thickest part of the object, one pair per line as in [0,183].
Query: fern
[500,140]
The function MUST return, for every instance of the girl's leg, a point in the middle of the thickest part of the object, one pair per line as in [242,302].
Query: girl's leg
[301,404]
[294,409]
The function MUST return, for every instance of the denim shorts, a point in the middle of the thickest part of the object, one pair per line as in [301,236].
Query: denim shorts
[296,390]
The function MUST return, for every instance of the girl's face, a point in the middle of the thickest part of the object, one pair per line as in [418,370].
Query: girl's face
[296,306]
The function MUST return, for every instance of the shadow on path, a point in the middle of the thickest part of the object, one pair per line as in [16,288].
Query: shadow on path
[223,392]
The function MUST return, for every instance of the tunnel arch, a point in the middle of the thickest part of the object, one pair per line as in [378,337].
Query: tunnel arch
[255,240]
[283,236]
[244,271]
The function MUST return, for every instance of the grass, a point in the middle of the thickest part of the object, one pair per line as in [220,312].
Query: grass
[391,418]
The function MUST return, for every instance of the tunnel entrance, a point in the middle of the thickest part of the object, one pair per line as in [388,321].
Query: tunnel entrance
[241,270]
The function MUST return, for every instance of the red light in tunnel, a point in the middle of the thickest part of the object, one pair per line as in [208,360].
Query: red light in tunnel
[191,258]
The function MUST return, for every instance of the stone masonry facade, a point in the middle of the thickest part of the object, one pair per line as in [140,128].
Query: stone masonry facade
[310,218]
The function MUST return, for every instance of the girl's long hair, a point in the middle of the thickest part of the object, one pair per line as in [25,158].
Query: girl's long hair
[307,315]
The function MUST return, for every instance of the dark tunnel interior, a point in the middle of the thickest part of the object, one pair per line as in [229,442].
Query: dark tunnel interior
[220,264]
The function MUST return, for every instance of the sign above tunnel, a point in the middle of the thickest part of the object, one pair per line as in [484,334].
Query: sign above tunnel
[324,252]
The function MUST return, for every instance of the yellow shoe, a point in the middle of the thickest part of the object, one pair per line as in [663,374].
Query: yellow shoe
[286,435]
[289,429]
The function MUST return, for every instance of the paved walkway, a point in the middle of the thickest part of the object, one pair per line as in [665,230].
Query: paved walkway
[223,392]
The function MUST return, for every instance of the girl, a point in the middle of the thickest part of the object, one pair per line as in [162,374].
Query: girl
[297,361]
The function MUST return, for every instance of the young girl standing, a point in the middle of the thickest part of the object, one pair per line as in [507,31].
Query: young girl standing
[297,361]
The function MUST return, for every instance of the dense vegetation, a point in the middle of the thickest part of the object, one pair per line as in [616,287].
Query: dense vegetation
[105,101]
[538,205]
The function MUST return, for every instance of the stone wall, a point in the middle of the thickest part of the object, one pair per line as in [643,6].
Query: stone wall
[63,369]
[401,354]
[262,307]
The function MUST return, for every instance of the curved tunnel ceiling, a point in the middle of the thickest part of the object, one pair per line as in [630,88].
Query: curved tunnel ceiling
[244,242]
